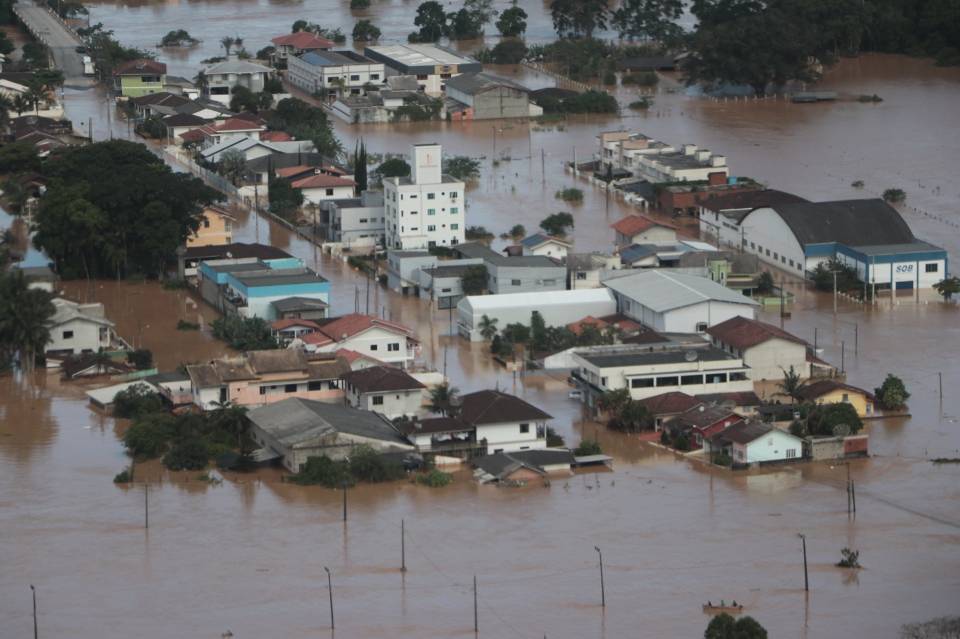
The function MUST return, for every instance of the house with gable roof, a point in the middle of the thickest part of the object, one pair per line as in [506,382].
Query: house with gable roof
[768,350]
[384,340]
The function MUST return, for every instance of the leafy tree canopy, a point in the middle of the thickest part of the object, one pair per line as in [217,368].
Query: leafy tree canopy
[512,22]
[579,18]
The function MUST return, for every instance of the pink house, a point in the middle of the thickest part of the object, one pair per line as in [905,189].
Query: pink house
[256,378]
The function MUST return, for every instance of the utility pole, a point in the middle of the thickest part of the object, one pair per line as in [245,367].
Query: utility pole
[543,166]
[815,329]
[603,593]
[940,380]
[256,209]
[146,505]
[806,579]
[330,592]
[476,618]
[843,356]
[344,485]
[403,548]
[834,292]
[34,591]
[853,496]
[849,492]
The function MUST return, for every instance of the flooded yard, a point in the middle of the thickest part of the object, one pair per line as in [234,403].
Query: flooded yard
[248,555]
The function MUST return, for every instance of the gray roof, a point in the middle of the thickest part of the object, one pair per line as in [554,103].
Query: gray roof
[500,465]
[236,66]
[297,422]
[636,252]
[484,252]
[586,261]
[662,291]
[449,271]
[334,58]
[869,222]
[289,304]
[67,311]
[540,238]
[281,276]
[736,204]
[238,268]
[643,356]
[473,83]
[918,246]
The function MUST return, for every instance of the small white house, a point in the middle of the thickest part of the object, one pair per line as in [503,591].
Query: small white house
[78,328]
[750,443]
[676,302]
[321,187]
[765,348]
[546,246]
[383,340]
[640,229]
[219,79]
[386,390]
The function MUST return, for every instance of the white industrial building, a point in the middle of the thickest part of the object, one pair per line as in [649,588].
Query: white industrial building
[426,209]
[430,64]
[720,214]
[676,302]
[558,308]
[868,235]
[334,73]
[647,371]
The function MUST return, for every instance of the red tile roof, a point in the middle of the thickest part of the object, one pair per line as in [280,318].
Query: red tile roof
[352,356]
[353,324]
[303,40]
[820,388]
[633,224]
[279,325]
[275,136]
[741,332]
[577,327]
[321,181]
[293,170]
[671,403]
[141,66]
[193,135]
[239,124]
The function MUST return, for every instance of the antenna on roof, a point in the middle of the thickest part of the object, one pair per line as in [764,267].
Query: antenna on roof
[690,356]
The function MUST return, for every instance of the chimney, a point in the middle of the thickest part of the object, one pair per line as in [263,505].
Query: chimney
[718,160]
[702,155]
[688,149]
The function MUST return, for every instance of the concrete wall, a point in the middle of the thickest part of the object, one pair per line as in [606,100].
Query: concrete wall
[770,238]
[394,403]
[774,446]
[506,437]
[771,358]
[421,215]
[520,279]
[376,343]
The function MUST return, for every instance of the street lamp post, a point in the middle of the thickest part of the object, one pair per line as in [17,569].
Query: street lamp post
[806,579]
[603,594]
[330,591]
[34,592]
[344,486]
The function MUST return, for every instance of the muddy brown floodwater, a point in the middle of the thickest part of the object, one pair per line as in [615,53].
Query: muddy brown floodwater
[248,555]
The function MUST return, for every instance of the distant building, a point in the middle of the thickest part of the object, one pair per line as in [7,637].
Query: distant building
[768,350]
[699,423]
[190,258]
[868,235]
[830,391]
[294,44]
[721,213]
[640,229]
[557,308]
[256,378]
[354,222]
[520,467]
[285,330]
[585,270]
[389,342]
[484,96]
[216,227]
[754,443]
[426,209]
[667,405]
[321,187]
[657,162]
[219,79]
[543,245]
[432,65]
[516,274]
[304,308]
[647,371]
[78,328]
[139,77]
[295,430]
[334,73]
[386,390]
[676,302]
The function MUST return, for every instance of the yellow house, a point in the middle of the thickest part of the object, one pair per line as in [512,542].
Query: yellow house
[830,391]
[216,228]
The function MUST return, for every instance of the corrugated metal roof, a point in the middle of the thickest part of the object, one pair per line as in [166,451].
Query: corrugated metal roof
[661,291]
[539,299]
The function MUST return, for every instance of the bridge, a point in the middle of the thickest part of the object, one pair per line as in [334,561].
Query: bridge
[51,30]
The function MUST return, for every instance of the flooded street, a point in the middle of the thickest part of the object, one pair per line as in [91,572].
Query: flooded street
[248,555]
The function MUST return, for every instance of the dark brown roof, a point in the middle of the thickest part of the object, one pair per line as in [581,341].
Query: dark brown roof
[739,398]
[335,368]
[748,199]
[741,332]
[671,403]
[436,425]
[235,250]
[817,389]
[375,379]
[143,65]
[701,416]
[495,407]
[743,432]
[277,360]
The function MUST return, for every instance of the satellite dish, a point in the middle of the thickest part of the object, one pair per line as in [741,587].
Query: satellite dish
[690,356]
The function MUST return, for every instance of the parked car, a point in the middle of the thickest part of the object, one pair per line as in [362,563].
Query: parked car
[575,394]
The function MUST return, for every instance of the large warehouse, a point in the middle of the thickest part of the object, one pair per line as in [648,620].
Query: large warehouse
[558,308]
[868,235]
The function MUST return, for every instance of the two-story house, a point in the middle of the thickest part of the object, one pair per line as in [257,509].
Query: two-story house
[335,73]
[387,390]
[219,79]
[386,341]
[139,77]
[216,227]
[78,328]
[294,44]
[768,350]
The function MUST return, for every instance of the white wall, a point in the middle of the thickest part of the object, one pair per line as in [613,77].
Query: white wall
[771,358]
[773,446]
[550,249]
[687,319]
[764,230]
[420,214]
[86,337]
[315,196]
[508,438]
[395,403]
[375,343]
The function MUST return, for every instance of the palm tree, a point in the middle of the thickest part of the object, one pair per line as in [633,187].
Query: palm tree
[233,165]
[444,399]
[488,327]
[25,315]
[232,418]
[35,95]
[227,43]
[20,103]
[238,42]
[792,385]
[201,81]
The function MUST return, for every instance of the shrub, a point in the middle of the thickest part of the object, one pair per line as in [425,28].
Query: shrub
[722,459]
[244,333]
[641,105]
[892,394]
[141,359]
[643,78]
[135,401]
[508,52]
[323,471]
[829,420]
[609,78]
[588,447]
[554,439]
[149,436]
[190,454]
[849,558]
[184,325]
[569,195]
[123,477]
[462,167]
[174,284]
[894,196]
[368,465]
[434,478]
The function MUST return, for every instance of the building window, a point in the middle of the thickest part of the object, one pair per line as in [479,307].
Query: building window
[454,210]
[549,282]
[524,429]
[691,380]
[373,347]
[290,388]
[514,282]
[431,227]
[603,381]
[354,77]
[378,400]
[643,382]
[738,377]
[314,386]
[701,327]
[394,347]
[791,453]
[752,245]
[453,195]
[329,191]
[263,390]
[68,335]
[716,378]
[670,380]
[846,398]
[431,211]
[454,227]
[581,275]
[931,268]
[791,263]
[374,76]
[421,76]
[431,196]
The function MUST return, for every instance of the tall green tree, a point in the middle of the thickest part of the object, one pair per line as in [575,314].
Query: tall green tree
[579,18]
[649,20]
[892,394]
[360,166]
[512,22]
[233,166]
[444,399]
[792,385]
[538,331]
[25,315]
[557,224]
[488,327]
[432,20]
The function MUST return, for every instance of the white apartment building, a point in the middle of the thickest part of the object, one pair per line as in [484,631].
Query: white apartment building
[334,73]
[354,221]
[426,209]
